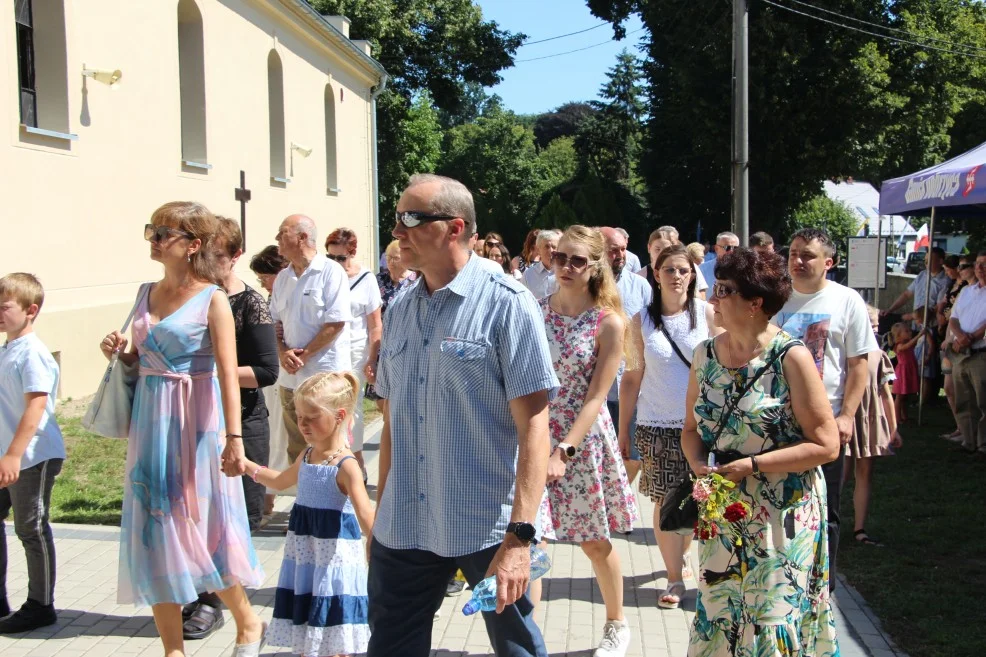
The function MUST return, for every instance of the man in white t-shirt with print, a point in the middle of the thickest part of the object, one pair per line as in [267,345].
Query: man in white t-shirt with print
[832,321]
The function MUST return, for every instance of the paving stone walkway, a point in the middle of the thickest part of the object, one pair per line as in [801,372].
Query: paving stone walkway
[571,614]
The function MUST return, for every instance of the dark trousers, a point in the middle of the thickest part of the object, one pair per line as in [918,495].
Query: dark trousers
[256,445]
[406,588]
[30,498]
[833,482]
[614,412]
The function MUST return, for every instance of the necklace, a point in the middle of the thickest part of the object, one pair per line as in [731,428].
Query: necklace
[329,457]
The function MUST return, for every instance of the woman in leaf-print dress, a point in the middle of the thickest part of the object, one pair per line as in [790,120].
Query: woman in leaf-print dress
[588,495]
[766,594]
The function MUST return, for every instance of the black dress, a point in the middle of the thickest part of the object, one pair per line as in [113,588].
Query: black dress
[256,347]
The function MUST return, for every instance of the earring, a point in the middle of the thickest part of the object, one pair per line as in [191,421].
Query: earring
[188,258]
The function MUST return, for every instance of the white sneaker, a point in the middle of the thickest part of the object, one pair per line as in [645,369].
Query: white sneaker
[616,640]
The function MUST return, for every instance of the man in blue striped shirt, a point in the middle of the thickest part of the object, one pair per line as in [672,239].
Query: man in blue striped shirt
[467,375]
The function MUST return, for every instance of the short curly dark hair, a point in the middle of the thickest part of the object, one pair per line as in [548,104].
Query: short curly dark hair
[757,274]
[268,261]
[810,234]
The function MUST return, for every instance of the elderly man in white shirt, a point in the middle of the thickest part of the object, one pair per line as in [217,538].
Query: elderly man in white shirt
[539,278]
[968,325]
[311,304]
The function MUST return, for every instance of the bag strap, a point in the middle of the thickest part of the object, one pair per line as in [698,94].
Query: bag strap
[358,281]
[728,408]
[144,288]
[675,347]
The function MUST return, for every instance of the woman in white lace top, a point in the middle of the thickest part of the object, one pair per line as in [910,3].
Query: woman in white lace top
[666,333]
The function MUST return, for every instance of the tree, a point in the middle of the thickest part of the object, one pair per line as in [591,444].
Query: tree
[497,159]
[438,46]
[559,161]
[556,214]
[823,213]
[563,122]
[824,101]
[421,139]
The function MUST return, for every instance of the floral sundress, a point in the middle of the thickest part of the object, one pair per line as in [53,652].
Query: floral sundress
[768,596]
[594,497]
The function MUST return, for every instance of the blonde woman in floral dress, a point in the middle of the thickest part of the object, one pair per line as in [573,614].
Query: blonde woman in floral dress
[588,496]
[766,594]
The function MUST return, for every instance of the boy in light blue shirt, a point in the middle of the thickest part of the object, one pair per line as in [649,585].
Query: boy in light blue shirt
[31,450]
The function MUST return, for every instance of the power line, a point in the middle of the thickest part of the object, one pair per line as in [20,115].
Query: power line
[569,52]
[888,28]
[925,46]
[562,36]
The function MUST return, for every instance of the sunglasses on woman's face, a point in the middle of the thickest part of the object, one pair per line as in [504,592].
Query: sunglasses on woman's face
[154,233]
[965,265]
[576,263]
[681,271]
[338,258]
[721,290]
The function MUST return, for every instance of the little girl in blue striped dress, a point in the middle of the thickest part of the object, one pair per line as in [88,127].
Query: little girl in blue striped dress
[320,607]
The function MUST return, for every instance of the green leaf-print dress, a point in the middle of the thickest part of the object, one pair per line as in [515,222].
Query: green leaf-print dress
[769,596]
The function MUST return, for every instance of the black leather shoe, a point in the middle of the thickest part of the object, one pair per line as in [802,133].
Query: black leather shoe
[4,607]
[31,616]
[205,620]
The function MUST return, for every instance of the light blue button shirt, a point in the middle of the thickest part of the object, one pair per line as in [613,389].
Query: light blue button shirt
[540,280]
[635,295]
[708,269]
[27,366]
[450,363]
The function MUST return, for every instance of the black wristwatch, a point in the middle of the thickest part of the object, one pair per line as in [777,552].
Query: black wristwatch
[524,531]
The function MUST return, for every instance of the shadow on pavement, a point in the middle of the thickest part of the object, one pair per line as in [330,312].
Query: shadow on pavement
[73,623]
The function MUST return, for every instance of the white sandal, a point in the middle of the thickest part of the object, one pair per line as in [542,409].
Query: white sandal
[251,649]
[672,592]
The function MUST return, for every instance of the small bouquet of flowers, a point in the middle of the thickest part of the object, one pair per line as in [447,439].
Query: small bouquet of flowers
[719,508]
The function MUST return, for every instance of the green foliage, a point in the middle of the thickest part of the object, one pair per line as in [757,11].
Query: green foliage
[559,161]
[609,141]
[497,159]
[563,122]
[421,138]
[438,46]
[824,101]
[556,214]
[834,217]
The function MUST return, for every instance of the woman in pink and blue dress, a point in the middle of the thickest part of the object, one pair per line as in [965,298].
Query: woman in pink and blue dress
[588,496]
[184,529]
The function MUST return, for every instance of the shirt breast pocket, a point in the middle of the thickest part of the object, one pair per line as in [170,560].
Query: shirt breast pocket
[314,307]
[464,365]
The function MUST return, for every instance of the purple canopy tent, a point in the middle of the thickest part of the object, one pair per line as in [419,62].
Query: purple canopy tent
[958,184]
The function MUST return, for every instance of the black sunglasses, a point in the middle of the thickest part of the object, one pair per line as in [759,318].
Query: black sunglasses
[966,266]
[337,258]
[154,233]
[727,247]
[576,262]
[412,218]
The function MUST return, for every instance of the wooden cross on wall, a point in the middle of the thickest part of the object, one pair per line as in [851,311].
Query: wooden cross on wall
[242,194]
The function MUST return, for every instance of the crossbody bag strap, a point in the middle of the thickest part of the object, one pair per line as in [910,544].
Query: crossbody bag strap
[728,409]
[358,281]
[144,288]
[674,346]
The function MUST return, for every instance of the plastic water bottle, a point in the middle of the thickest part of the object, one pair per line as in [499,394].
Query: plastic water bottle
[484,595]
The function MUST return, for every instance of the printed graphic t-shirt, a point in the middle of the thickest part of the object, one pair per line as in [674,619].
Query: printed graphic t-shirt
[834,325]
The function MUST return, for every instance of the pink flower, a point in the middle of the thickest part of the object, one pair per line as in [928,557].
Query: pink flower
[700,490]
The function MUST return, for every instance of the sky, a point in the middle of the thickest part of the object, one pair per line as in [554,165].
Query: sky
[542,85]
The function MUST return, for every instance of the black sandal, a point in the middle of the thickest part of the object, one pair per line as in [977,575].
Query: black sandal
[862,537]
[205,620]
[188,610]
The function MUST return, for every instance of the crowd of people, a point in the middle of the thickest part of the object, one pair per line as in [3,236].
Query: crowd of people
[520,398]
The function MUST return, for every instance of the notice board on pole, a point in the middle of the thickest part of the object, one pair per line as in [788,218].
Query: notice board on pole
[867,266]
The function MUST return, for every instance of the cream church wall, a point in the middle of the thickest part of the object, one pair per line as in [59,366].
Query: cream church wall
[73,211]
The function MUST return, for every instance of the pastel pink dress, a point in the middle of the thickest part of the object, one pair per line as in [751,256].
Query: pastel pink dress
[184,529]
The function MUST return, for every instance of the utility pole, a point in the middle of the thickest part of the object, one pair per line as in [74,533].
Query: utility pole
[741,123]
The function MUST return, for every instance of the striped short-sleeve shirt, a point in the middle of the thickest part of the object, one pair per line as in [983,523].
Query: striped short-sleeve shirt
[450,363]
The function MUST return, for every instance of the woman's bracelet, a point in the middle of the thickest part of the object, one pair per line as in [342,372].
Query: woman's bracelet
[234,435]
[256,472]
[756,466]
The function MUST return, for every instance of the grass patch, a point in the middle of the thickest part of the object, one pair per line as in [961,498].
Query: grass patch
[926,584]
[89,489]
